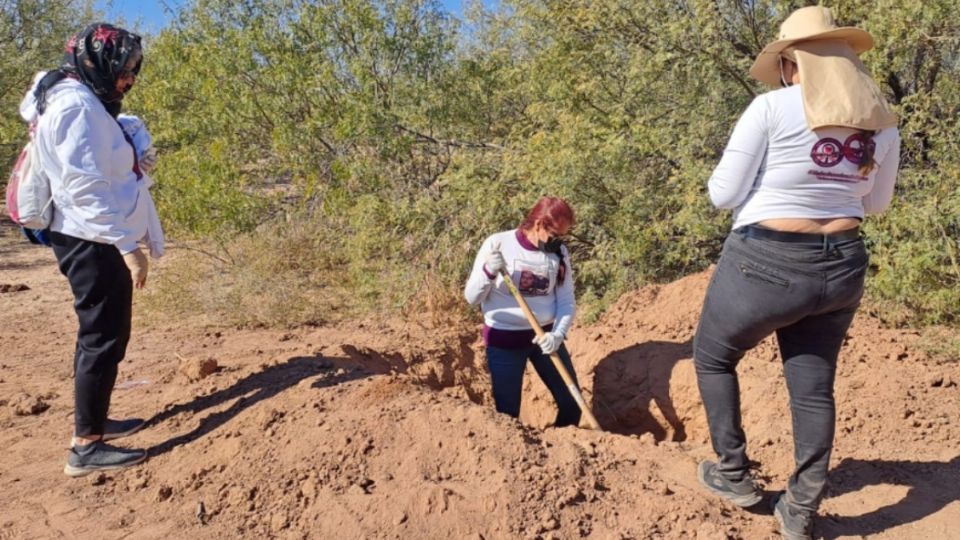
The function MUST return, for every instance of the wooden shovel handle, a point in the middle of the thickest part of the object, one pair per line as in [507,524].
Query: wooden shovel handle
[567,379]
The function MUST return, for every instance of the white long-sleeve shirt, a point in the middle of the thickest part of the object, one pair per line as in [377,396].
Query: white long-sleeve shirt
[96,194]
[535,275]
[774,166]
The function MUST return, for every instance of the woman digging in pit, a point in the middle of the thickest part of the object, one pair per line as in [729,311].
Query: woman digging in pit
[534,257]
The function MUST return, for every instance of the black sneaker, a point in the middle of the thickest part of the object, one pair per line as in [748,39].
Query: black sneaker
[794,524]
[114,429]
[100,456]
[744,493]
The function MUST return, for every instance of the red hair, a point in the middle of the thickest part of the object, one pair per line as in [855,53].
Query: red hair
[551,211]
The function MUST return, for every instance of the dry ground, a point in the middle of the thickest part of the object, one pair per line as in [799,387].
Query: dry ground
[369,430]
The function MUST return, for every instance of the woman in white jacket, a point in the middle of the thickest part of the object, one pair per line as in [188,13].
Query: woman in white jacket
[101,211]
[535,258]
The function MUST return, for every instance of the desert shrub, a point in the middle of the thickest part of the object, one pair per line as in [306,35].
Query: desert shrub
[348,156]
[33,34]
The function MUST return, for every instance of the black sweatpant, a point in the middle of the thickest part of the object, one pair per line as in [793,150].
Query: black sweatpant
[805,293]
[103,297]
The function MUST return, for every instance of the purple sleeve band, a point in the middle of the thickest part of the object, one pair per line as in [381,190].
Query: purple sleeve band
[489,275]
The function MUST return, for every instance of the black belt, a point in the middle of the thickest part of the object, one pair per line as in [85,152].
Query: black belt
[755,231]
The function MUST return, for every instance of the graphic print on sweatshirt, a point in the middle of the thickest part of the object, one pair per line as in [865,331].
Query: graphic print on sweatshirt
[829,152]
[532,278]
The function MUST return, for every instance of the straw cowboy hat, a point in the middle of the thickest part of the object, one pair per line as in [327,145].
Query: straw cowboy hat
[804,25]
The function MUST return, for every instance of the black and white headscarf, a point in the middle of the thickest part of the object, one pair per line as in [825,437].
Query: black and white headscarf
[97,57]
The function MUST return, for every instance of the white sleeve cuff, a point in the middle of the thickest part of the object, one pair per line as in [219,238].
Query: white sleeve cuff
[126,246]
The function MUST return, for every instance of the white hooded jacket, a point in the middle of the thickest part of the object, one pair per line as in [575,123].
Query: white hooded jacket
[82,150]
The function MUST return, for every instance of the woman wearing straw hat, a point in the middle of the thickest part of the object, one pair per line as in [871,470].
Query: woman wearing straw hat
[803,166]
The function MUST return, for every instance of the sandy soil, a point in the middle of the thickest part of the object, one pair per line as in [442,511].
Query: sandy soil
[374,431]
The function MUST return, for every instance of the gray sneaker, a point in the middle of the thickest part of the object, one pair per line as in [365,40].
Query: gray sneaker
[100,456]
[743,493]
[794,524]
[114,429]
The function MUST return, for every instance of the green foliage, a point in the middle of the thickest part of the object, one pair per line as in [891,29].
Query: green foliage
[915,244]
[32,36]
[347,155]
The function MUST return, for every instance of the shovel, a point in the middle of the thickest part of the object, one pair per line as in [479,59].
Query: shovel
[571,386]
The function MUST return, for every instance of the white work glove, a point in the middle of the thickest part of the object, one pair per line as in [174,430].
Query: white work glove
[149,159]
[549,342]
[495,261]
[137,263]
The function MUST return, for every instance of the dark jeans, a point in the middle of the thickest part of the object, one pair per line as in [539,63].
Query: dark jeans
[506,374]
[805,292]
[103,297]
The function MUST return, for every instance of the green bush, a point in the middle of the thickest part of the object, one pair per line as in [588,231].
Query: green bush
[34,32]
[344,156]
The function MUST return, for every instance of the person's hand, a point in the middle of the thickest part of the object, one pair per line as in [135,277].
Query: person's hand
[137,263]
[495,261]
[149,159]
[549,342]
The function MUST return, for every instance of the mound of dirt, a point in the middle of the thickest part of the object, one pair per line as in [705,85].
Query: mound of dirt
[374,430]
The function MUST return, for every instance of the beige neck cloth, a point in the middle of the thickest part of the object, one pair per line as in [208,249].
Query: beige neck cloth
[837,89]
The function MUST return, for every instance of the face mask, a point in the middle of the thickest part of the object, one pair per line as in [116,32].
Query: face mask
[550,246]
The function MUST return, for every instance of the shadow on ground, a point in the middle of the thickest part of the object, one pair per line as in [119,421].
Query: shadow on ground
[932,486]
[258,387]
[631,390]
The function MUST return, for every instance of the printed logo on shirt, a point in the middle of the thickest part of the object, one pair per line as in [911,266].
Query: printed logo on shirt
[829,152]
[854,147]
[534,278]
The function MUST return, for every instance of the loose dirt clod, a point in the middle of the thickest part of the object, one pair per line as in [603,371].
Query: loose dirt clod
[195,369]
[12,287]
[27,405]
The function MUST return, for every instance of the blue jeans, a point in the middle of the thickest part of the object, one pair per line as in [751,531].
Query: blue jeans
[506,375]
[807,294]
